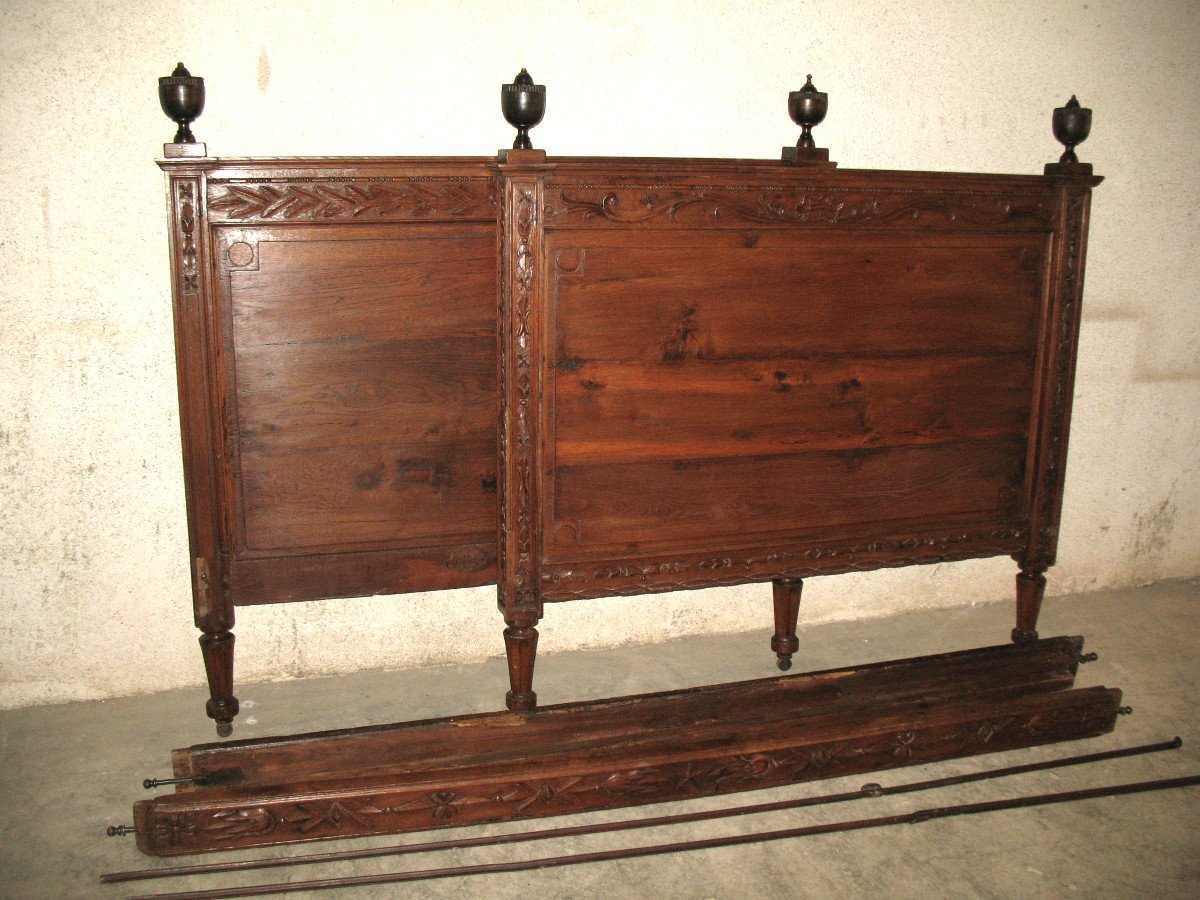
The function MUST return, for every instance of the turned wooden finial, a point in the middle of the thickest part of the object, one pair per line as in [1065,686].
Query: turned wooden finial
[1071,124]
[523,104]
[807,107]
[181,96]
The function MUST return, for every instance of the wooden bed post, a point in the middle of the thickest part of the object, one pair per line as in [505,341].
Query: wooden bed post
[186,168]
[787,610]
[1073,182]
[187,163]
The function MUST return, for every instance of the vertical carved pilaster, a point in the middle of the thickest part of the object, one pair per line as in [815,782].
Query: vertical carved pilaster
[1060,368]
[187,190]
[203,450]
[520,353]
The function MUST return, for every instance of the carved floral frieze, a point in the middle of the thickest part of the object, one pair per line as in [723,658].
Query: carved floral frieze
[562,581]
[698,205]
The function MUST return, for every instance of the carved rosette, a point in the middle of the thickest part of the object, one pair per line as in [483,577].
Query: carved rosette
[365,199]
[693,206]
[519,337]
[617,578]
[1043,545]
[178,829]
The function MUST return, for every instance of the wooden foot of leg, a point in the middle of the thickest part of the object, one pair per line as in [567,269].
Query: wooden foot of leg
[520,642]
[1031,585]
[217,648]
[787,610]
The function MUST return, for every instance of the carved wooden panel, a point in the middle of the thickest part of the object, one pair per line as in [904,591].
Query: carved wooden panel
[381,198]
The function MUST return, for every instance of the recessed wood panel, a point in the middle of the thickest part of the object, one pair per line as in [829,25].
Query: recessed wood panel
[715,387]
[402,494]
[667,296]
[355,392]
[692,504]
[635,410]
[363,370]
[315,283]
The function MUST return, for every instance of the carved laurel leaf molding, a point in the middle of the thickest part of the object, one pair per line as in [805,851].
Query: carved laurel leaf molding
[320,200]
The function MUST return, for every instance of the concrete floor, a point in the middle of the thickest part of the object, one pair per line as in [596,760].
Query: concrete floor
[67,771]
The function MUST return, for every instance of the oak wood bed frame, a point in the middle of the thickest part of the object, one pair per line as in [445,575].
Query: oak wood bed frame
[585,377]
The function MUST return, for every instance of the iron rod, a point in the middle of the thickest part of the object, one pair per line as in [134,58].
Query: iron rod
[525,865]
[869,790]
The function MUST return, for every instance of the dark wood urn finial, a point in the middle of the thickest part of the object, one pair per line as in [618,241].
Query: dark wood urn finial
[1071,124]
[523,104]
[807,107]
[181,96]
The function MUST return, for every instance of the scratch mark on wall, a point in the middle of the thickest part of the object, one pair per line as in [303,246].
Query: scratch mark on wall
[1152,529]
[47,243]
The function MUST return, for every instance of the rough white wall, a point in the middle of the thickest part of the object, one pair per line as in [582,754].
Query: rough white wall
[93,585]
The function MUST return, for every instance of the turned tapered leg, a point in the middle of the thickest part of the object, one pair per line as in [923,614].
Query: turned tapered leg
[787,610]
[520,642]
[1031,585]
[217,648]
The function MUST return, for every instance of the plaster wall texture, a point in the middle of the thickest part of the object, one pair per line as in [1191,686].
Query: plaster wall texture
[94,596]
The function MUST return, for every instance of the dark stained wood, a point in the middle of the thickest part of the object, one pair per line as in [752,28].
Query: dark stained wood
[868,791]
[703,503]
[335,328]
[1031,585]
[282,579]
[684,294]
[630,751]
[461,741]
[704,372]
[786,599]
[632,411]
[724,372]
[914,817]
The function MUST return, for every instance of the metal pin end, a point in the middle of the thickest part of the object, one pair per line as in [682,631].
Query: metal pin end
[224,729]
[1088,657]
[151,783]
[1177,743]
[1124,710]
[872,789]
[120,830]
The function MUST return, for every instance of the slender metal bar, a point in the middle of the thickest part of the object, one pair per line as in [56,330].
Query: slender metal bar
[867,790]
[548,862]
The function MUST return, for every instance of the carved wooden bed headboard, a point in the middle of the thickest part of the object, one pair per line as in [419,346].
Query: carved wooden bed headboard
[705,372]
